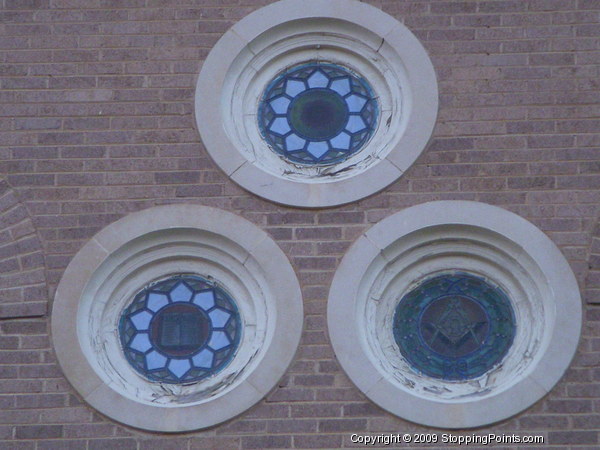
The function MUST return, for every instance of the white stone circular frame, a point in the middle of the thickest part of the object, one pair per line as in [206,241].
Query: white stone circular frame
[433,238]
[146,246]
[349,33]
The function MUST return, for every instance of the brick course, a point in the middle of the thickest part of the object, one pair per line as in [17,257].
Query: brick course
[97,121]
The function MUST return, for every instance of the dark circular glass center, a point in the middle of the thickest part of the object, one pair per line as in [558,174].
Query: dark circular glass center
[179,329]
[454,326]
[318,114]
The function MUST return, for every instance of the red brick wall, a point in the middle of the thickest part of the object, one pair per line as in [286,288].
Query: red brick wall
[96,120]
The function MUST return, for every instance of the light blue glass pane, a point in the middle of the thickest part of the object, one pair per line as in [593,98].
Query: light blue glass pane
[155,360]
[219,318]
[181,293]
[280,126]
[342,141]
[318,80]
[179,367]
[341,86]
[141,320]
[204,359]
[294,87]
[218,340]
[280,105]
[355,103]
[355,123]
[317,149]
[157,301]
[205,300]
[294,142]
[141,343]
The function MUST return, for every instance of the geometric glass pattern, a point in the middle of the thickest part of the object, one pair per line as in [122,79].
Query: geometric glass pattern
[180,330]
[317,113]
[454,326]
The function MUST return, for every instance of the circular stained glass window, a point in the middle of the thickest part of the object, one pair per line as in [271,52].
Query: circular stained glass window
[317,113]
[454,326]
[180,330]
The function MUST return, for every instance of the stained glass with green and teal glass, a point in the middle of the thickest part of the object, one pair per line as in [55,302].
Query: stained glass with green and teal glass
[454,326]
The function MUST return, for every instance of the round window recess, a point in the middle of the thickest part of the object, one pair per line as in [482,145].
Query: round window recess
[177,318]
[463,314]
[316,104]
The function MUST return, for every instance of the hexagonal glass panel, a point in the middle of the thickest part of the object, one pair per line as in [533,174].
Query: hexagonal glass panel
[318,113]
[180,330]
[454,326]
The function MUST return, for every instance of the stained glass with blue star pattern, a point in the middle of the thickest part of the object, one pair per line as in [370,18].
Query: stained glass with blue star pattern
[180,330]
[318,113]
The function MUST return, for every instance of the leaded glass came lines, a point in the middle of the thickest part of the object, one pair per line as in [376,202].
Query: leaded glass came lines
[317,113]
[454,326]
[180,330]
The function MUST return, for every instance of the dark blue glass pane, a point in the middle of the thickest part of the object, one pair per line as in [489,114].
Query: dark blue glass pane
[180,330]
[454,326]
[317,113]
